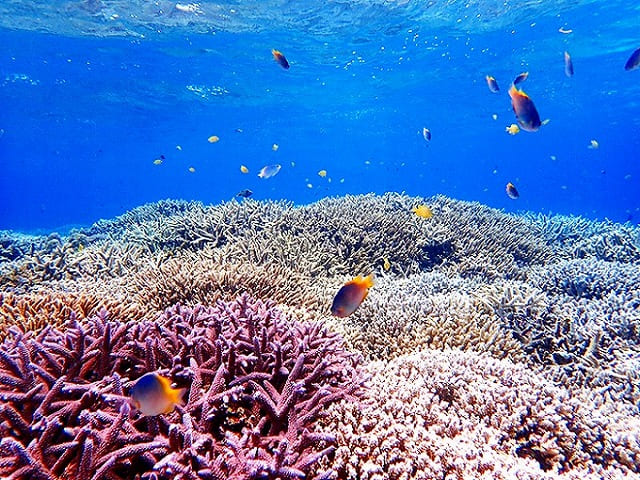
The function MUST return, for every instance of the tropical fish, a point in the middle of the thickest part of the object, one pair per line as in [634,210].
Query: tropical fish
[322,173]
[565,31]
[269,171]
[594,145]
[492,83]
[521,78]
[525,110]
[275,147]
[246,193]
[157,161]
[192,169]
[152,394]
[512,129]
[634,61]
[244,169]
[426,134]
[280,58]
[511,190]
[386,264]
[213,139]
[568,65]
[422,211]
[351,295]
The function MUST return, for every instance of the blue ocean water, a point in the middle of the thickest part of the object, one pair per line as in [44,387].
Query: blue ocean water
[93,92]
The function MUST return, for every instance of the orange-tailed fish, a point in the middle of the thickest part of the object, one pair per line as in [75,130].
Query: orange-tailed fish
[568,65]
[521,78]
[634,61]
[512,191]
[152,394]
[269,171]
[492,83]
[422,211]
[280,58]
[351,295]
[525,110]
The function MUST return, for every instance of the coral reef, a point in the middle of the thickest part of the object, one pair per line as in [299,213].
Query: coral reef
[462,415]
[256,383]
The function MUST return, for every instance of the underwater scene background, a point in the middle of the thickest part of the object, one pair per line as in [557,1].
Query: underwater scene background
[371,265]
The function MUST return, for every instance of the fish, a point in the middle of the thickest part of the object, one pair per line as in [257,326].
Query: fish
[152,395]
[565,31]
[213,139]
[426,134]
[386,264]
[512,129]
[351,295]
[322,173]
[246,193]
[525,110]
[422,211]
[244,169]
[280,58]
[512,192]
[494,116]
[275,147]
[157,161]
[568,65]
[521,78]
[492,83]
[594,145]
[269,171]
[192,169]
[633,62]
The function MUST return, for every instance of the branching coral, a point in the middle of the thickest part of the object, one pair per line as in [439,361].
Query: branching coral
[257,384]
[461,415]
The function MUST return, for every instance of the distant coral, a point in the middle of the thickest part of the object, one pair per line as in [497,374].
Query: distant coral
[257,383]
[460,415]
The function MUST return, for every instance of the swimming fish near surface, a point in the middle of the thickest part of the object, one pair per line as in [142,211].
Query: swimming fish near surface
[246,193]
[525,110]
[512,192]
[521,78]
[492,83]
[351,295]
[634,61]
[568,65]
[280,58]
[213,139]
[152,394]
[244,169]
[322,173]
[426,134]
[422,211]
[269,171]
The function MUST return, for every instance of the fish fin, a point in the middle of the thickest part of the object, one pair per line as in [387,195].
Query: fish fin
[367,282]
[178,395]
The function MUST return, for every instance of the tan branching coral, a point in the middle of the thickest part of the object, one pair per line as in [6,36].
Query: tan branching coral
[461,415]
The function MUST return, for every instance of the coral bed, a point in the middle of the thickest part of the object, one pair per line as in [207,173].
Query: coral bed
[495,345]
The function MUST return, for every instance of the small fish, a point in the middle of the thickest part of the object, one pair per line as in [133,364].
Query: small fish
[322,173]
[269,171]
[157,161]
[246,193]
[565,31]
[492,83]
[593,145]
[213,139]
[525,110]
[512,129]
[275,147]
[521,78]
[244,169]
[192,169]
[152,394]
[511,190]
[494,116]
[634,61]
[239,130]
[422,211]
[351,295]
[426,134]
[386,264]
[178,147]
[280,58]
[568,65]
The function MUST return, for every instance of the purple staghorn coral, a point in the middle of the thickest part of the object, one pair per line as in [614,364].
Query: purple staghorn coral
[257,383]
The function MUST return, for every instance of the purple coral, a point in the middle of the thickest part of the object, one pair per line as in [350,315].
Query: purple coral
[257,383]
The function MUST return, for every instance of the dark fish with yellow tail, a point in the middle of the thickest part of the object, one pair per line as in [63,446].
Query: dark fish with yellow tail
[521,78]
[280,58]
[152,395]
[492,83]
[525,110]
[568,65]
[512,191]
[351,295]
[634,61]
